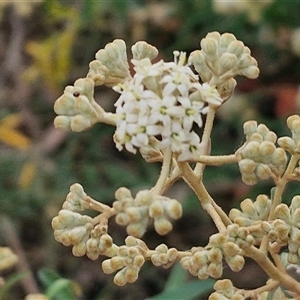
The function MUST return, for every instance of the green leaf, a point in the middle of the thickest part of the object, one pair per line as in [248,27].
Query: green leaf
[9,283]
[56,286]
[176,278]
[187,291]
[61,289]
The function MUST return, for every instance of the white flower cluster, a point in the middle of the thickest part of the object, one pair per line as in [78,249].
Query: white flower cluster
[135,213]
[163,100]
[259,158]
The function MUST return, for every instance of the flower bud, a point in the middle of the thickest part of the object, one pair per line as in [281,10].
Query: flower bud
[251,150]
[62,122]
[227,61]
[80,123]
[173,208]
[263,171]
[282,212]
[215,270]
[236,263]
[236,48]
[209,46]
[142,50]
[162,225]
[247,166]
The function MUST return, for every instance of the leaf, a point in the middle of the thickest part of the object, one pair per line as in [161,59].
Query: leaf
[9,283]
[11,136]
[27,175]
[176,277]
[187,291]
[58,287]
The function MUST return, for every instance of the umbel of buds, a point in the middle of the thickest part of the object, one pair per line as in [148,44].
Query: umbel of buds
[160,113]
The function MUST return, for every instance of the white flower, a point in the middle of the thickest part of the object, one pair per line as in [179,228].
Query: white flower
[162,100]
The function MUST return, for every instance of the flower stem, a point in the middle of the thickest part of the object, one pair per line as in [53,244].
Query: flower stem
[285,280]
[206,138]
[205,199]
[164,173]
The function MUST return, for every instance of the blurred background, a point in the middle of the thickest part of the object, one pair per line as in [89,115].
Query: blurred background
[46,45]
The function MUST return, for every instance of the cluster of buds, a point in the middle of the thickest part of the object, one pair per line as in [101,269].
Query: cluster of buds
[127,260]
[164,256]
[135,213]
[285,229]
[72,228]
[77,108]
[253,213]
[224,290]
[259,158]
[223,57]
[292,144]
[205,262]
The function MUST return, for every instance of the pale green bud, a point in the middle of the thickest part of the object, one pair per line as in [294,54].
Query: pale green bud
[279,158]
[173,208]
[250,127]
[137,229]
[262,205]
[131,274]
[123,193]
[247,207]
[209,46]
[251,72]
[249,179]
[251,150]
[290,120]
[137,213]
[247,166]
[119,278]
[203,273]
[80,123]
[156,209]
[197,59]
[215,270]
[267,148]
[226,39]
[200,258]
[231,249]
[236,263]
[122,219]
[215,255]
[62,122]
[236,48]
[227,61]
[293,258]
[263,171]
[79,249]
[144,197]
[162,225]
[142,50]
[287,144]
[282,211]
